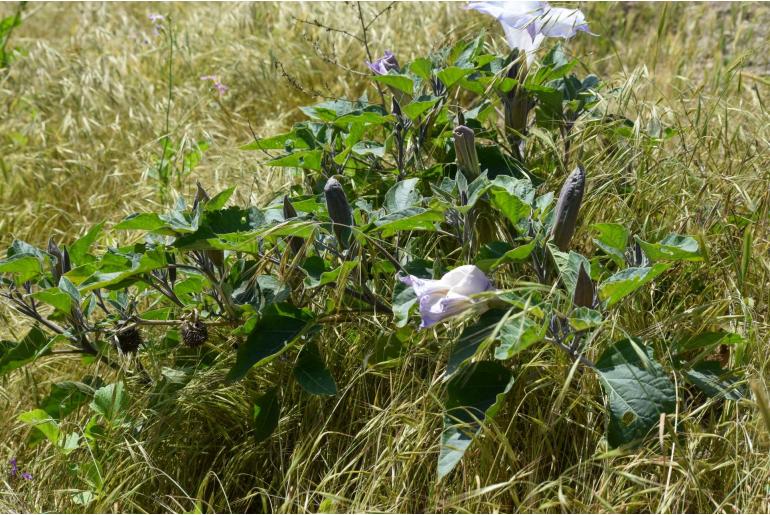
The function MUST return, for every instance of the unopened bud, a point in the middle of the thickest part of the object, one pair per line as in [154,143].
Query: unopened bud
[465,148]
[289,212]
[62,260]
[339,211]
[516,106]
[584,290]
[200,196]
[567,208]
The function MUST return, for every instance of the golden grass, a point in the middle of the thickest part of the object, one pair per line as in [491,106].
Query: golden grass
[83,111]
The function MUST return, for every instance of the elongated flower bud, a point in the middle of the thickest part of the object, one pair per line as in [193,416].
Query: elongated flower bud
[339,211]
[584,290]
[465,148]
[295,243]
[200,196]
[62,257]
[516,107]
[567,208]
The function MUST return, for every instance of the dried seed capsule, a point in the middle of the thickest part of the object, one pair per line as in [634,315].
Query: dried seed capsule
[584,290]
[128,340]
[567,208]
[289,212]
[339,211]
[194,334]
[465,148]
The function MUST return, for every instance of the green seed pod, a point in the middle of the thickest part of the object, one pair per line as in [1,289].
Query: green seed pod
[567,208]
[465,149]
[295,243]
[584,290]
[194,334]
[339,211]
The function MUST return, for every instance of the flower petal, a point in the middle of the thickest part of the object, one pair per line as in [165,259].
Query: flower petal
[558,22]
[423,287]
[437,308]
[466,280]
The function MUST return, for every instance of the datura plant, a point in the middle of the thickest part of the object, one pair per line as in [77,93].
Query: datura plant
[420,210]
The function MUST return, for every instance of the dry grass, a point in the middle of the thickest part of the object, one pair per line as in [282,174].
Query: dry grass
[84,110]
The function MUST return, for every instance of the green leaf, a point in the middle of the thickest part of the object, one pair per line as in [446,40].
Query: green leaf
[474,395]
[82,245]
[56,298]
[672,248]
[518,333]
[411,219]
[568,264]
[638,388]
[65,397]
[26,265]
[279,325]
[14,355]
[417,107]
[421,67]
[265,414]
[513,197]
[627,281]
[472,338]
[402,195]
[311,372]
[450,75]
[110,401]
[714,381]
[399,82]
[318,276]
[707,340]
[310,159]
[43,422]
[219,200]
[297,139]
[141,222]
[583,318]
[404,299]
[612,239]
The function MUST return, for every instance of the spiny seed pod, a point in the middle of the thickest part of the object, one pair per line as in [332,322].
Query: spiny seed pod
[567,208]
[128,340]
[194,334]
[339,211]
[584,290]
[295,243]
[465,148]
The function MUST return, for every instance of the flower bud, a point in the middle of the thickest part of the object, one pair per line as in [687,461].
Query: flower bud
[465,148]
[62,258]
[516,107]
[567,208]
[584,290]
[339,211]
[200,196]
[384,64]
[295,243]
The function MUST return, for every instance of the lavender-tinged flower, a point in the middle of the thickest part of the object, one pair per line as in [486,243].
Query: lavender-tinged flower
[527,23]
[26,475]
[14,467]
[384,64]
[221,88]
[448,296]
[156,18]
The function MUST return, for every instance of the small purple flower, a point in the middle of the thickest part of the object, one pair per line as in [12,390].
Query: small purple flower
[448,296]
[217,83]
[384,64]
[14,473]
[156,18]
